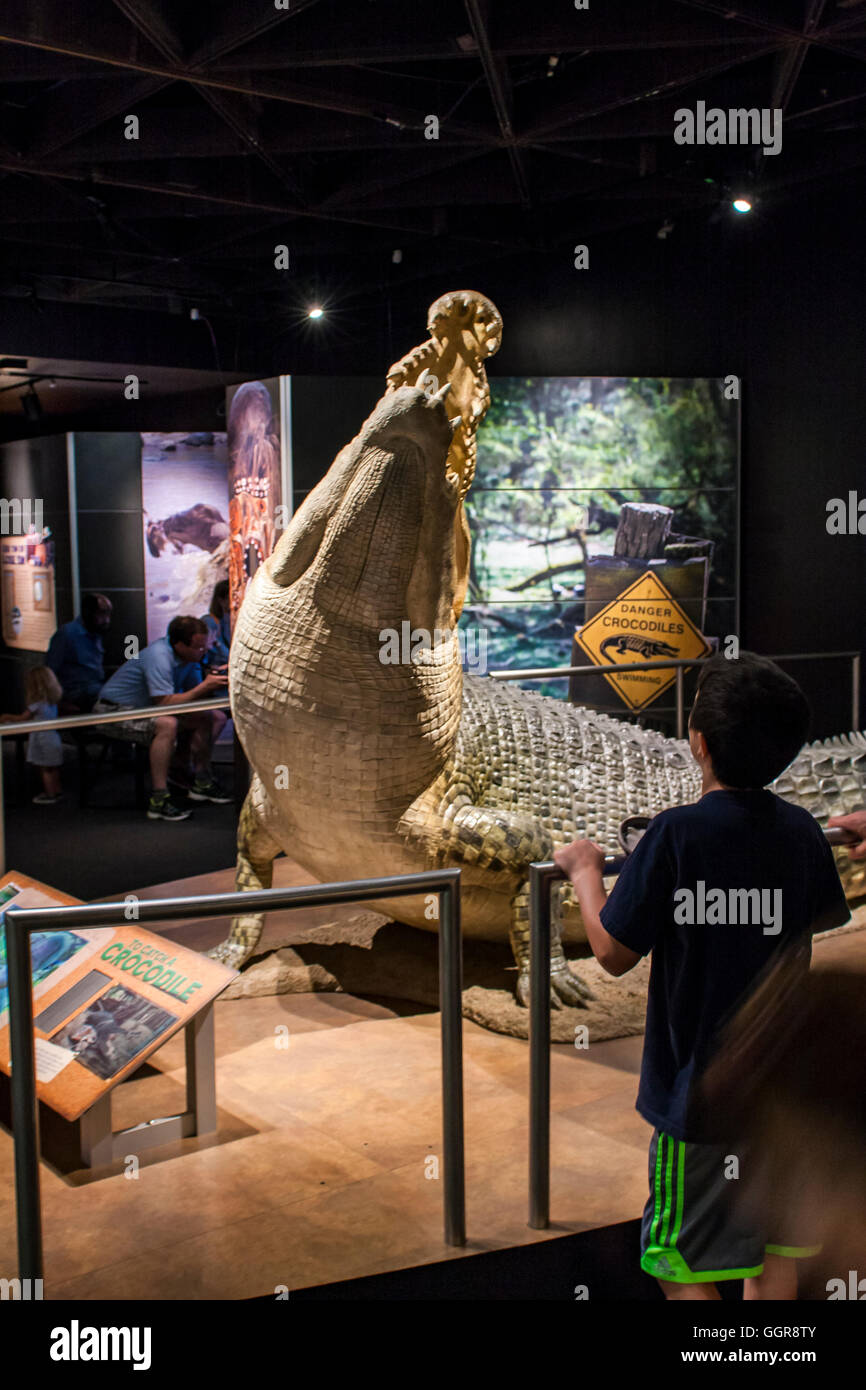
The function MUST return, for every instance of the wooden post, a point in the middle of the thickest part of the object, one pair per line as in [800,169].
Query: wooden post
[642,531]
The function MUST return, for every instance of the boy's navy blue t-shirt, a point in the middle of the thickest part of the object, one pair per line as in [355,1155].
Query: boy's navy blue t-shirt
[702,970]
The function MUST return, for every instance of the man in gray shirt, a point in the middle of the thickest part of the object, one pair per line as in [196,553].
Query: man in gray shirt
[168,673]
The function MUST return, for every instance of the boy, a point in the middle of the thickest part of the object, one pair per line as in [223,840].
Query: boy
[681,895]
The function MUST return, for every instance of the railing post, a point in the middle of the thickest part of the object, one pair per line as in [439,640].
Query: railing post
[680,720]
[855,691]
[540,883]
[25,1112]
[451,1007]
[2,816]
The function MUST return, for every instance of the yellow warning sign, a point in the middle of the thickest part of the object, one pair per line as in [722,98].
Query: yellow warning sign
[643,623]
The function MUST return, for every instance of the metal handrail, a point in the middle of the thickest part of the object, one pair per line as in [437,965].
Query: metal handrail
[80,721]
[115,716]
[20,922]
[541,880]
[679,665]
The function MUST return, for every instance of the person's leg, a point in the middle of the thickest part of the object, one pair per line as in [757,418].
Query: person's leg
[161,748]
[679,1292]
[210,726]
[777,1280]
[200,730]
[51,781]
[207,729]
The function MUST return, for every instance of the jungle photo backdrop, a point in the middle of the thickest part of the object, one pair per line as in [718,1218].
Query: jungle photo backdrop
[557,458]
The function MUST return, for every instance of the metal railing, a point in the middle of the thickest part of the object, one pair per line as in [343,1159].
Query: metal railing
[679,665]
[20,922]
[81,721]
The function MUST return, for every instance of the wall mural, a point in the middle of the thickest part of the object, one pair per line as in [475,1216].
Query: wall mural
[185,498]
[255,481]
[562,461]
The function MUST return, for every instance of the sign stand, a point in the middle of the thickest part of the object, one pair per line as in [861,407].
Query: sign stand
[100,1145]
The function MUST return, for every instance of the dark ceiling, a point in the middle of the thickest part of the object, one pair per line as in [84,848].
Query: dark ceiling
[305,126]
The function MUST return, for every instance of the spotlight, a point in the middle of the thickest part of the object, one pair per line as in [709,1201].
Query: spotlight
[315,312]
[742,204]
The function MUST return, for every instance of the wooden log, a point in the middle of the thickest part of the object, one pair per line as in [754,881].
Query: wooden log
[688,548]
[642,531]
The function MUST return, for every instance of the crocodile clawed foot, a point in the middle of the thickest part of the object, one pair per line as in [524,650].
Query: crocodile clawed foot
[567,990]
[231,953]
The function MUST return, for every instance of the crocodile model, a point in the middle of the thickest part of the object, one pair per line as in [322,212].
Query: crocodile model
[369,765]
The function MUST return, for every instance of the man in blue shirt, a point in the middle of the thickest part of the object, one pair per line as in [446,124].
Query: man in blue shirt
[168,673]
[77,657]
[717,890]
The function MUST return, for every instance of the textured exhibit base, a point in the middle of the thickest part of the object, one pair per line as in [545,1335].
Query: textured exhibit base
[368,954]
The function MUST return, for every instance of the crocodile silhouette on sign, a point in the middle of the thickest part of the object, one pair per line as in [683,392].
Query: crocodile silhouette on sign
[647,648]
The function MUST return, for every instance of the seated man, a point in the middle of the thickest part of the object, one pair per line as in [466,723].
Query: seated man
[167,673]
[77,657]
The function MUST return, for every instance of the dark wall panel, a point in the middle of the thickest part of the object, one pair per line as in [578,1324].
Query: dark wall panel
[111,559]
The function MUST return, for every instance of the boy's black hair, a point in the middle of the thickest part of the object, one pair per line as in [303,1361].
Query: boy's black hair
[754,718]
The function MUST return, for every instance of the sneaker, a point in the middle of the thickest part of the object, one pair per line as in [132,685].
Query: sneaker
[160,807]
[209,790]
[43,799]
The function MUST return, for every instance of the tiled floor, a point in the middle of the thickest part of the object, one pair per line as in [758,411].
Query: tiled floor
[319,1170]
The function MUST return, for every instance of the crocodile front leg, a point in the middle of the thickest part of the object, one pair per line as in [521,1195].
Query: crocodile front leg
[257,850]
[489,838]
[566,988]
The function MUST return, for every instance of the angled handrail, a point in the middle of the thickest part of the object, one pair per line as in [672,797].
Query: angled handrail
[20,922]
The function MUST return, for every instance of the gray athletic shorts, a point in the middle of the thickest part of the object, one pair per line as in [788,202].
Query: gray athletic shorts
[691,1232]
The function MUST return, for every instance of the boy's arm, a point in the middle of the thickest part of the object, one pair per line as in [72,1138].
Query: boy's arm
[583,862]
